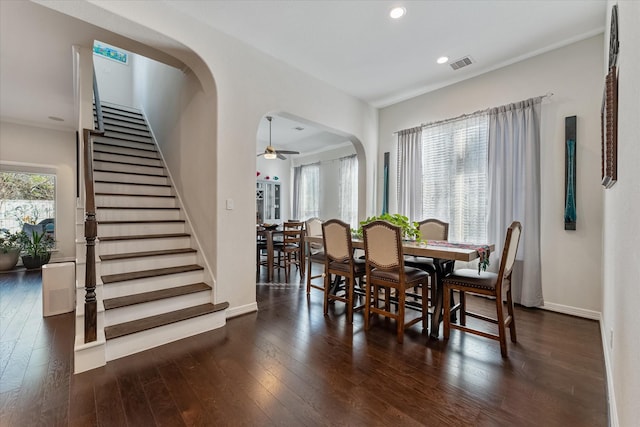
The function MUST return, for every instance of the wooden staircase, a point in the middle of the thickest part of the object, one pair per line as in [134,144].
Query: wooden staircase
[155,287]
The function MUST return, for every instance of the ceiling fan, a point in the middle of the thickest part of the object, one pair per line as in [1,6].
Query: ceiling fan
[270,152]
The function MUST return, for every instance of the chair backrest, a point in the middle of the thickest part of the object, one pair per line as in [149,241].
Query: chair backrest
[383,245]
[511,243]
[433,229]
[336,236]
[292,233]
[313,227]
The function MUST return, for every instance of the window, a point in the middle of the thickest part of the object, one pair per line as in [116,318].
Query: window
[27,201]
[306,183]
[348,190]
[454,176]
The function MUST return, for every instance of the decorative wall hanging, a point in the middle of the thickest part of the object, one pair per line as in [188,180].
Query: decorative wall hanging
[609,112]
[570,173]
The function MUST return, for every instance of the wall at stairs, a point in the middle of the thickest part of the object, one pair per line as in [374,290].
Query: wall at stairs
[53,150]
[115,80]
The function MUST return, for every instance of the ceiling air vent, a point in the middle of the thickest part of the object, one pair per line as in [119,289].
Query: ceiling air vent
[462,62]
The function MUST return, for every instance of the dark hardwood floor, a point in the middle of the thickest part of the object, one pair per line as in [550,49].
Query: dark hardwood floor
[289,365]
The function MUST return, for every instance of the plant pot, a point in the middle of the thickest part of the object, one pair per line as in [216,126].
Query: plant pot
[31,263]
[9,260]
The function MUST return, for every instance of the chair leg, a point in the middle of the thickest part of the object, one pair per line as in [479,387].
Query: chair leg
[463,308]
[425,308]
[327,288]
[349,282]
[446,304]
[400,321]
[512,324]
[367,306]
[501,331]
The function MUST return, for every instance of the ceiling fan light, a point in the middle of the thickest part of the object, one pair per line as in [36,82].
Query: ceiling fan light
[270,156]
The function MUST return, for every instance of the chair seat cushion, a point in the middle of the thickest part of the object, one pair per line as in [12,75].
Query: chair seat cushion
[470,278]
[412,275]
[425,264]
[359,266]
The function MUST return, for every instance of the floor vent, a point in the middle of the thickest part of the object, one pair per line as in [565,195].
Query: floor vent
[462,62]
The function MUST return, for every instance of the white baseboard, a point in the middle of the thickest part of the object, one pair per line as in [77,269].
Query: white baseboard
[611,396]
[243,309]
[573,311]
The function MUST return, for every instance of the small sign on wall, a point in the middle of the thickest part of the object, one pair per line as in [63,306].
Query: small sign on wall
[110,52]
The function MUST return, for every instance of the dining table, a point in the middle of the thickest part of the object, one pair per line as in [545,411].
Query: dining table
[443,254]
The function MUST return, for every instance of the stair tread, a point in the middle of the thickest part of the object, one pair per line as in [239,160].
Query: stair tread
[114,153]
[141,221]
[134,195]
[131,183]
[160,294]
[151,150]
[143,236]
[130,173]
[139,207]
[143,274]
[128,163]
[130,255]
[147,323]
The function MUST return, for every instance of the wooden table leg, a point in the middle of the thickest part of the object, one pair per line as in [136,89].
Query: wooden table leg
[443,267]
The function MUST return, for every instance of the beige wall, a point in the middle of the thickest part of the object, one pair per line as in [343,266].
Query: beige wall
[574,74]
[621,273]
[49,151]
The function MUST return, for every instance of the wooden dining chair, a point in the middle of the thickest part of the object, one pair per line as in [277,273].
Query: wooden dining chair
[339,261]
[488,284]
[430,229]
[290,251]
[315,253]
[385,271]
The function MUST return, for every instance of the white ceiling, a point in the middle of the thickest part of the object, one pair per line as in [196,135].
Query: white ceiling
[355,46]
[352,45]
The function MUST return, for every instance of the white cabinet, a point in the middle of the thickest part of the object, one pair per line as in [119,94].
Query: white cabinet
[267,202]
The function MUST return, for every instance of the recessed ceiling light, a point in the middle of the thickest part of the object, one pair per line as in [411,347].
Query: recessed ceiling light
[442,60]
[56,119]
[397,12]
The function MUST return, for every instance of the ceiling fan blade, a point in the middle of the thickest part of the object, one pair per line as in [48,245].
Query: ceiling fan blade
[261,154]
[288,152]
[281,157]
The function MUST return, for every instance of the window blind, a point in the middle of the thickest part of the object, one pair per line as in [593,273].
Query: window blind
[454,176]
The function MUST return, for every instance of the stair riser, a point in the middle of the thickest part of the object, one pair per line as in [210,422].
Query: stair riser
[127,178]
[121,110]
[153,308]
[117,149]
[97,156]
[145,340]
[133,201]
[126,167]
[127,246]
[137,214]
[110,128]
[108,230]
[130,287]
[146,263]
[112,122]
[127,136]
[143,145]
[102,187]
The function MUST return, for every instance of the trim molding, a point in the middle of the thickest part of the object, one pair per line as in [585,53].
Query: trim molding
[243,309]
[573,311]
[611,395]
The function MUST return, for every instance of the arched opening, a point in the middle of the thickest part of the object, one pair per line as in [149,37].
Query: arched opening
[325,178]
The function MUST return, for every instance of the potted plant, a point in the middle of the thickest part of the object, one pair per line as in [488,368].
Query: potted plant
[410,229]
[9,249]
[35,249]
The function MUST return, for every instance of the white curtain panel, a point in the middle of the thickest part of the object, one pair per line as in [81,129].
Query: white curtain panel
[514,192]
[410,173]
[348,190]
[306,184]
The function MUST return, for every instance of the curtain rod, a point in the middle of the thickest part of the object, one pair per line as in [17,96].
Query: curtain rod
[464,116]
